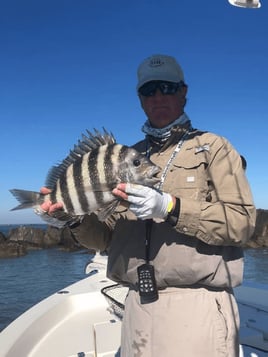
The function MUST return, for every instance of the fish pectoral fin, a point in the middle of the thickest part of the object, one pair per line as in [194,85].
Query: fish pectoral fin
[105,212]
[62,216]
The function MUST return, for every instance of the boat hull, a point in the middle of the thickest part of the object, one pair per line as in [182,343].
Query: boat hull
[78,321]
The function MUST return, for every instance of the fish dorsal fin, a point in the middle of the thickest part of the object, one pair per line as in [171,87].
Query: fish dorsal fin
[88,143]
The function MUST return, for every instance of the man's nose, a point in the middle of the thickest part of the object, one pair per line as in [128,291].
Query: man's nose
[158,93]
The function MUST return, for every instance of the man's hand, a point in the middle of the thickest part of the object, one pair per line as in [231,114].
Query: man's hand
[46,210]
[145,202]
[47,206]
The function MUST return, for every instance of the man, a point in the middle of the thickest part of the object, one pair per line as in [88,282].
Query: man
[177,246]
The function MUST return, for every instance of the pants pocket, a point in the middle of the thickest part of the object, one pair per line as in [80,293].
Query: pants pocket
[221,330]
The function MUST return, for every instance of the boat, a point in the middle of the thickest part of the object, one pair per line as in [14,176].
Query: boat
[84,320]
[250,4]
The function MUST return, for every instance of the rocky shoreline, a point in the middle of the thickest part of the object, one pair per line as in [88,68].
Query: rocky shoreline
[20,240]
[260,236]
[24,238]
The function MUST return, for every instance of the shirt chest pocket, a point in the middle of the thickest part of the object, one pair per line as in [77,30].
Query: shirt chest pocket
[188,176]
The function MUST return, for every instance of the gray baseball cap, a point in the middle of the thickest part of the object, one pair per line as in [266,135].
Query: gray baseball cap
[159,68]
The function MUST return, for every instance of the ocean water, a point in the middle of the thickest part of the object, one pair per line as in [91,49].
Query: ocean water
[27,280]
[5,228]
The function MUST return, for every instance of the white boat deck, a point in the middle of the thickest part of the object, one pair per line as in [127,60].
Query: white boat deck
[78,322]
[253,308]
[69,323]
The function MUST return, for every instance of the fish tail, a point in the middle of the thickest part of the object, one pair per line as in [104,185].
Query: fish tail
[27,199]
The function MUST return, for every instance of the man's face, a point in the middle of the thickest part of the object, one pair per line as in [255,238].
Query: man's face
[163,109]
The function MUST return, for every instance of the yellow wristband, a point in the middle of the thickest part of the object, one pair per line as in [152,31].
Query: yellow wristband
[170,206]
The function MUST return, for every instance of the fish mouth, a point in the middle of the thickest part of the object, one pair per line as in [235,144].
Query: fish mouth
[155,171]
[151,179]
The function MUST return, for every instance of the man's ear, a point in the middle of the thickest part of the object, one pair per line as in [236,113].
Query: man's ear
[182,95]
[141,102]
[184,90]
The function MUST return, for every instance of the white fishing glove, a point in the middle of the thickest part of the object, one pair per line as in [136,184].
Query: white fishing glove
[146,202]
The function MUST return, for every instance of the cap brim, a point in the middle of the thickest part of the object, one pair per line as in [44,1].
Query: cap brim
[157,78]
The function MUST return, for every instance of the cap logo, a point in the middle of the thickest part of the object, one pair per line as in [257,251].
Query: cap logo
[156,62]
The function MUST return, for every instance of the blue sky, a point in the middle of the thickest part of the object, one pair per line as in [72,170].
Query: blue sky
[67,66]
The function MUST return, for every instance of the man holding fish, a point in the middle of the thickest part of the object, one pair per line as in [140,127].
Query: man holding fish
[177,244]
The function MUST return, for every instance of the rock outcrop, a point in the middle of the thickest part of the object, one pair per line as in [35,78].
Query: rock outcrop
[9,249]
[24,238]
[28,236]
[260,236]
[20,240]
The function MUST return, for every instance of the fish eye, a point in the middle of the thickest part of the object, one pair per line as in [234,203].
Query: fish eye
[136,162]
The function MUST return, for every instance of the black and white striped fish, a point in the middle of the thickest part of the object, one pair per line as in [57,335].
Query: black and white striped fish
[84,180]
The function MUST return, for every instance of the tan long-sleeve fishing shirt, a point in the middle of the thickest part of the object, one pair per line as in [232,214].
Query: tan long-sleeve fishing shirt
[217,215]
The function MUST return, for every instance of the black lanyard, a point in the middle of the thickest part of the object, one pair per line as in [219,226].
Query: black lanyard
[148,227]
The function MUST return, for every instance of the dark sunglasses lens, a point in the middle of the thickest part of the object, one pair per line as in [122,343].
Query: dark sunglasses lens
[148,89]
[168,88]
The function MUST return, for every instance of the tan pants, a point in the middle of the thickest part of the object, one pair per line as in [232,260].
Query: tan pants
[184,322]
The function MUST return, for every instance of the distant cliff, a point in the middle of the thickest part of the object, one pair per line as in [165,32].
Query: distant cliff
[22,239]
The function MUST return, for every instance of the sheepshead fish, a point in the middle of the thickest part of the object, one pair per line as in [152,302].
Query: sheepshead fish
[84,180]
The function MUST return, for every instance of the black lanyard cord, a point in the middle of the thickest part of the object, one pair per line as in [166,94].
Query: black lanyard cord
[149,223]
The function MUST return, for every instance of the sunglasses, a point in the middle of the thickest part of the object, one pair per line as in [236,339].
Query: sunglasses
[166,88]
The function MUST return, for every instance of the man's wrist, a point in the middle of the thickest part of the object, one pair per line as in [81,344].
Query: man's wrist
[171,204]
[173,215]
